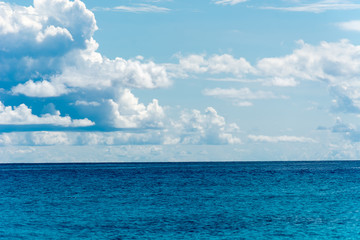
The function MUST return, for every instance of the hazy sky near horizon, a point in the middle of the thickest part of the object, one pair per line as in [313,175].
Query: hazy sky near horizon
[168,80]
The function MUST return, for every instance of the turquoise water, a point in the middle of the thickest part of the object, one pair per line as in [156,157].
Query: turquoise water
[258,200]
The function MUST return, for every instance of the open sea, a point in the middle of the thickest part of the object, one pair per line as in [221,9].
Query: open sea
[232,200]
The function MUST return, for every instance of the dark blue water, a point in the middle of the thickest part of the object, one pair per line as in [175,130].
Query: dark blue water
[259,200]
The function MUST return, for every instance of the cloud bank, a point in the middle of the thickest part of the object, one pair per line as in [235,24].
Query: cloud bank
[22,115]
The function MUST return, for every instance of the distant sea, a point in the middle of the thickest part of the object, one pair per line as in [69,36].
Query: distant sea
[232,200]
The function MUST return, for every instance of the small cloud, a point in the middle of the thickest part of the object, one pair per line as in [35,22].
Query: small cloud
[215,64]
[318,7]
[139,8]
[350,25]
[242,93]
[281,82]
[243,104]
[229,2]
[86,103]
[276,139]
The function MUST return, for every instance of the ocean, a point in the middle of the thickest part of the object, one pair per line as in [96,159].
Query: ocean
[231,200]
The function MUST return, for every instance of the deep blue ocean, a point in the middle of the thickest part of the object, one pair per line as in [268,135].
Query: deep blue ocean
[245,200]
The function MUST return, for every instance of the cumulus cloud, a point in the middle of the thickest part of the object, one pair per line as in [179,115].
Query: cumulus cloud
[127,112]
[326,62]
[337,64]
[52,43]
[229,2]
[210,133]
[40,89]
[48,25]
[215,64]
[207,128]
[91,70]
[276,139]
[22,115]
[34,38]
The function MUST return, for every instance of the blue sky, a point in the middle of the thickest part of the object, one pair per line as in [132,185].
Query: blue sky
[169,80]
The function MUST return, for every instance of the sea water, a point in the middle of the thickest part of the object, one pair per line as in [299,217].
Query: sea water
[244,200]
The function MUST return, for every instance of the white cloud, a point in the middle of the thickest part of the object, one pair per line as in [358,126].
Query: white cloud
[243,104]
[86,103]
[319,7]
[242,93]
[350,26]
[337,64]
[238,95]
[334,63]
[191,127]
[275,139]
[229,2]
[119,138]
[326,62]
[52,41]
[47,138]
[73,15]
[280,82]
[138,8]
[141,8]
[22,115]
[50,25]
[40,89]
[215,64]
[127,112]
[91,70]
[208,128]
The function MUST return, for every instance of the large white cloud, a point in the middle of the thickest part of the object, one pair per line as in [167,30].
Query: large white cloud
[330,62]
[91,70]
[40,89]
[195,127]
[48,27]
[127,112]
[22,115]
[190,127]
[52,41]
[34,38]
[337,64]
